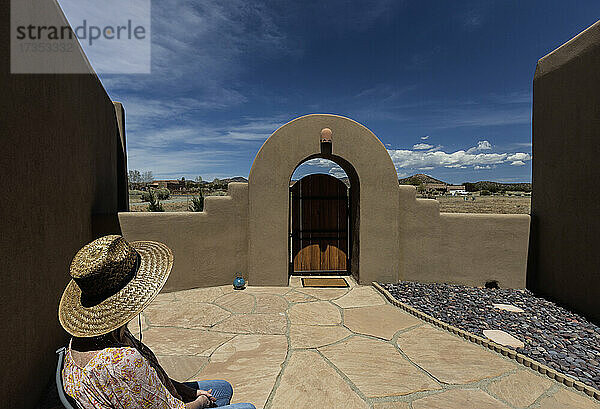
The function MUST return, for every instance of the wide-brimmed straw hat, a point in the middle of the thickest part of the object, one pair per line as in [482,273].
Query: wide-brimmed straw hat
[112,282]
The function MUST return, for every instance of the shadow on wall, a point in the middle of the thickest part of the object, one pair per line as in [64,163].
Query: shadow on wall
[62,156]
[564,263]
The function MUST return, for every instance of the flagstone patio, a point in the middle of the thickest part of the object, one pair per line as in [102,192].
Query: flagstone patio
[294,347]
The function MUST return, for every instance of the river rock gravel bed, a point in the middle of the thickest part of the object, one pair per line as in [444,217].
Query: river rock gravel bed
[552,335]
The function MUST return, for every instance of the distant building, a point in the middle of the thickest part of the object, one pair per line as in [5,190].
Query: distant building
[456,190]
[435,187]
[168,184]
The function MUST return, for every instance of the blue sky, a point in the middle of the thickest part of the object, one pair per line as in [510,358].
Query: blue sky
[446,86]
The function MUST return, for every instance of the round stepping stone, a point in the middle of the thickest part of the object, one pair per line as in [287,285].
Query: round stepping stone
[507,307]
[503,338]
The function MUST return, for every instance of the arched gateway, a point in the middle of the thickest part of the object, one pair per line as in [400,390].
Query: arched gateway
[374,198]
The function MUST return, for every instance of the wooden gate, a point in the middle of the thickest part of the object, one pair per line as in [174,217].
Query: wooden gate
[319,225]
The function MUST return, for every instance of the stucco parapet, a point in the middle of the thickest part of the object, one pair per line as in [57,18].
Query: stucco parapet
[429,203]
[522,218]
[580,44]
[238,190]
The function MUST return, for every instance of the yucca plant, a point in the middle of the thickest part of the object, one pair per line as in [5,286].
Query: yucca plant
[197,203]
[154,205]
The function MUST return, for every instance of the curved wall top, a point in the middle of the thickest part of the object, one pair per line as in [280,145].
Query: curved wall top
[268,184]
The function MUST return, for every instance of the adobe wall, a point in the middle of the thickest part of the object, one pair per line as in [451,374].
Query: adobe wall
[208,247]
[59,167]
[460,248]
[565,266]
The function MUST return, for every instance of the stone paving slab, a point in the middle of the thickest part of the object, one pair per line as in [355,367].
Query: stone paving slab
[184,341]
[268,303]
[520,389]
[391,405]
[253,324]
[381,321]
[281,346]
[185,314]
[314,336]
[503,338]
[568,399]
[199,294]
[326,294]
[251,363]
[309,382]
[360,297]
[315,313]
[459,398]
[237,302]
[182,368]
[376,368]
[449,358]
[296,296]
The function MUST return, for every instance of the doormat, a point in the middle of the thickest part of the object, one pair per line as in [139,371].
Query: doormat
[324,282]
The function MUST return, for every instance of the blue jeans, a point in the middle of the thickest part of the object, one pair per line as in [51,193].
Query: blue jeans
[223,391]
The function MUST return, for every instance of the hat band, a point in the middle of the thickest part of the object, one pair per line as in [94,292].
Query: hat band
[92,299]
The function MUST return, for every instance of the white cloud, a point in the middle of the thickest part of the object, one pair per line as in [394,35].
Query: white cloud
[330,167]
[424,138]
[461,159]
[175,164]
[422,146]
[481,146]
[320,162]
[519,157]
[337,172]
[518,163]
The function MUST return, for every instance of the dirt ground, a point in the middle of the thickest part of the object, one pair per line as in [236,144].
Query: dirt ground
[485,204]
[176,203]
[448,204]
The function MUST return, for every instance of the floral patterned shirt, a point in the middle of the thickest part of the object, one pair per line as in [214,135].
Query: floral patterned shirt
[116,378]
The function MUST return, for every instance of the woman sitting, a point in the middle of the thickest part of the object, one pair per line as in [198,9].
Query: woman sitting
[105,367]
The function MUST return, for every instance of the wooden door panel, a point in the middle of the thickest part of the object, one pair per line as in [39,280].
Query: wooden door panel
[319,224]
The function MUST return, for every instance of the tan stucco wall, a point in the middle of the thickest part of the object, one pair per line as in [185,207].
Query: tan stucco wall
[269,197]
[58,165]
[565,265]
[208,247]
[460,248]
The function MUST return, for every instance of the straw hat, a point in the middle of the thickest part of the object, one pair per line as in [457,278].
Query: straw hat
[112,282]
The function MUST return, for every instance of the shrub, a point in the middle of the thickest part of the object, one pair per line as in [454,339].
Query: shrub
[154,205]
[197,203]
[485,193]
[145,196]
[160,194]
[163,194]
